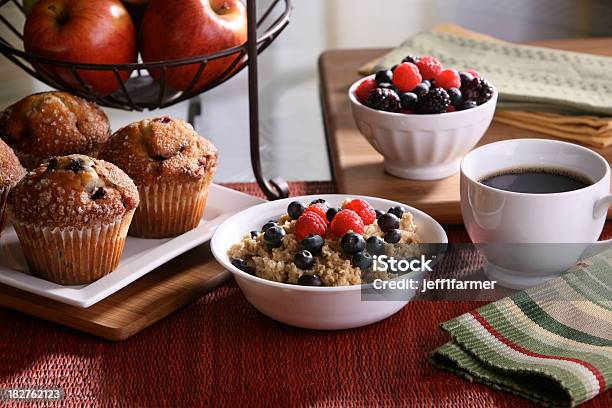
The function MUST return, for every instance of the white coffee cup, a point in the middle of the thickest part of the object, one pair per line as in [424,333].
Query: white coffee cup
[509,224]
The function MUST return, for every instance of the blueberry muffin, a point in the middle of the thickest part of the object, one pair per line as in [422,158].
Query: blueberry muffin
[53,124]
[10,173]
[173,168]
[72,215]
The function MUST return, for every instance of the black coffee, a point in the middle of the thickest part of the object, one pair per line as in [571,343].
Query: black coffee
[536,180]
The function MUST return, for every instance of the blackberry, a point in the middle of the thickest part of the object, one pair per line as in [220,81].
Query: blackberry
[384,99]
[478,90]
[434,101]
[411,58]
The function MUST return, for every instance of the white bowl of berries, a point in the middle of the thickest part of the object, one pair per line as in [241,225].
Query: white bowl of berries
[309,261]
[423,119]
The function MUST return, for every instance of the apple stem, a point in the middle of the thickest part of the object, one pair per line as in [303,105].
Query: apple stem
[61,16]
[224,7]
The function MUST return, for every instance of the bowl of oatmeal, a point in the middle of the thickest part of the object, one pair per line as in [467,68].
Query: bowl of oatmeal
[306,261]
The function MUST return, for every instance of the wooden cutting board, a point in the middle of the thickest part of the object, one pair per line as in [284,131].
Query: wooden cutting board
[358,169]
[135,307]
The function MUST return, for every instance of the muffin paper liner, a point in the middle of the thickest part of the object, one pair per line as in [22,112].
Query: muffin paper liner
[73,256]
[3,199]
[167,210]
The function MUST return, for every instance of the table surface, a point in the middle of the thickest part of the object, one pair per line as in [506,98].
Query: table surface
[358,168]
[221,351]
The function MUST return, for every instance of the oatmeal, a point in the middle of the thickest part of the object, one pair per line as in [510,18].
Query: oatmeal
[316,245]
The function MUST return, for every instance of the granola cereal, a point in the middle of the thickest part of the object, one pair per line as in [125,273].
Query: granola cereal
[332,265]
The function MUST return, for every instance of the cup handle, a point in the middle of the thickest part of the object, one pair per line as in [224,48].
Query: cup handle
[599,210]
[601,206]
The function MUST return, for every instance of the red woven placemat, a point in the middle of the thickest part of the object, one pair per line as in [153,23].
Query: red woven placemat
[220,351]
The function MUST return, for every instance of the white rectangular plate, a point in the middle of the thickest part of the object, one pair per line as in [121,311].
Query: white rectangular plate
[139,257]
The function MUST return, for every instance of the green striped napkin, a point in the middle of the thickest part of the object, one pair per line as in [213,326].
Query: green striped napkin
[551,344]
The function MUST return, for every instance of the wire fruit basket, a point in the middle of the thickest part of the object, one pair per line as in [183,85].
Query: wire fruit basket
[138,90]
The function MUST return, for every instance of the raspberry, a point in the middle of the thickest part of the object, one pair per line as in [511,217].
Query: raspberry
[474,73]
[364,89]
[345,221]
[363,209]
[406,77]
[429,67]
[318,208]
[310,223]
[449,78]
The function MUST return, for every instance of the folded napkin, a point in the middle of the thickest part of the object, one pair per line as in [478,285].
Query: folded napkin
[530,79]
[551,344]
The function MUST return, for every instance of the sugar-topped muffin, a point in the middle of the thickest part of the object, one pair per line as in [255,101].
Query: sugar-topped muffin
[172,166]
[10,173]
[50,124]
[72,215]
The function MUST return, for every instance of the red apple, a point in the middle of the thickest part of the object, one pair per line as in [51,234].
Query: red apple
[187,28]
[84,31]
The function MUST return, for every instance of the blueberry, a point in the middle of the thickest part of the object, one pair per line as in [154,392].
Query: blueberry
[52,163]
[389,86]
[393,236]
[468,105]
[313,244]
[379,214]
[319,201]
[420,90]
[273,237]
[100,193]
[388,222]
[432,83]
[295,209]
[243,266]
[304,260]
[76,165]
[331,213]
[254,234]
[455,96]
[268,225]
[397,211]
[375,245]
[384,75]
[427,82]
[362,260]
[408,100]
[411,58]
[352,243]
[310,280]
[466,78]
